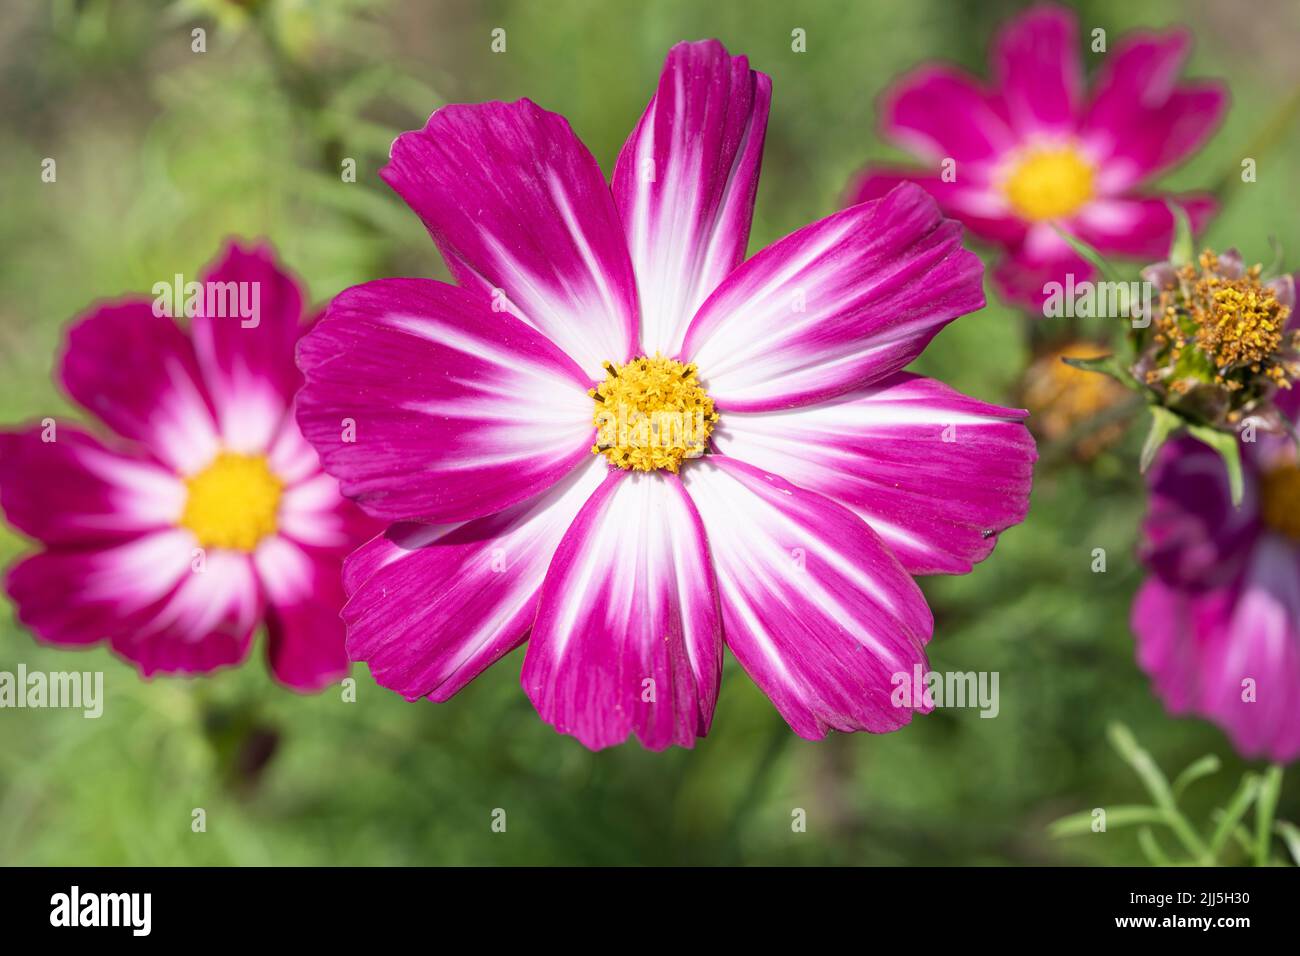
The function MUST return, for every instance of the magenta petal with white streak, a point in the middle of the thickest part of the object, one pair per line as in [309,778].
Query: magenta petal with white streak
[815,607]
[523,216]
[834,306]
[936,474]
[430,607]
[458,412]
[627,638]
[137,372]
[685,183]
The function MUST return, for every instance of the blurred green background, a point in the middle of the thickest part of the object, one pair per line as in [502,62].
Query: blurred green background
[163,152]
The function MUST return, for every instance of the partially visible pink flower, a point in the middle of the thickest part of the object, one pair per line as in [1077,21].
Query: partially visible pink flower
[1218,618]
[202,513]
[1036,150]
[827,476]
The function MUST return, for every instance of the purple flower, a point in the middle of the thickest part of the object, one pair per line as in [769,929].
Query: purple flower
[205,513]
[1035,150]
[621,438]
[1218,618]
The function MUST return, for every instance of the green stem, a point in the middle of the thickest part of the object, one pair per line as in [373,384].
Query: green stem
[1269,792]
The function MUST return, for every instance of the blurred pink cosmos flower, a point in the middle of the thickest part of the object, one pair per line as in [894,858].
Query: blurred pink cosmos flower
[206,513]
[817,474]
[1036,151]
[1218,618]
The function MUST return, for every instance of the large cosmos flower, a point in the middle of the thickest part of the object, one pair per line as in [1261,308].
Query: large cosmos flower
[1036,151]
[1218,618]
[206,513]
[485,421]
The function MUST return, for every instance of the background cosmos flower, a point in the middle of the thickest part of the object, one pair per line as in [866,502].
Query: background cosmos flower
[1035,151]
[830,477]
[206,455]
[1221,603]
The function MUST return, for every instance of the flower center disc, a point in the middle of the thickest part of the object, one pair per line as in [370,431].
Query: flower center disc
[233,502]
[1280,500]
[651,413]
[1049,183]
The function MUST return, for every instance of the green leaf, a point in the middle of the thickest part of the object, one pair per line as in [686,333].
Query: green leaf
[1290,834]
[1105,365]
[1232,814]
[1151,849]
[1164,423]
[1269,792]
[1181,249]
[1124,816]
[1226,445]
[1196,770]
[1095,258]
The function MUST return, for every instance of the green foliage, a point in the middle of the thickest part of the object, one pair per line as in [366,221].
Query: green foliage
[163,152]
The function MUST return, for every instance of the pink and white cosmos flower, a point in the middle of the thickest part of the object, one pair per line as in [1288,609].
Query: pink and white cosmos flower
[205,513]
[787,525]
[1035,150]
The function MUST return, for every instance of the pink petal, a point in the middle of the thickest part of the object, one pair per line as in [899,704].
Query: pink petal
[685,182]
[627,638]
[1022,279]
[73,490]
[1140,120]
[248,362]
[137,372]
[814,606]
[979,207]
[456,412]
[1138,228]
[834,306]
[940,113]
[145,597]
[517,204]
[304,590]
[936,474]
[432,607]
[1036,64]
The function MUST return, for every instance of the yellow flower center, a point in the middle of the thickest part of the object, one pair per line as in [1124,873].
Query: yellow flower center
[1239,322]
[650,414]
[1061,398]
[1280,499]
[233,502]
[1049,183]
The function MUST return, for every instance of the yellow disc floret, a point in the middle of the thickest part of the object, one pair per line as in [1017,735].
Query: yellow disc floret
[232,503]
[651,413]
[1280,499]
[1049,183]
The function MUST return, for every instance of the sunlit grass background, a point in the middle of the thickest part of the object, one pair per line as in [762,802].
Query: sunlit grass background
[163,152]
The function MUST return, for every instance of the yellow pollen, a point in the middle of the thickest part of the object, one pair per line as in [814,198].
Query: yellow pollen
[1060,398]
[1239,322]
[651,413]
[233,503]
[1280,499]
[1049,183]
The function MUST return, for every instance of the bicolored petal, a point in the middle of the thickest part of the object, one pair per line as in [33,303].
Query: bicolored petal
[304,632]
[63,487]
[1140,119]
[431,607]
[935,474]
[1138,227]
[627,638]
[137,372]
[244,336]
[1036,66]
[814,606]
[425,405]
[834,306]
[981,209]
[160,603]
[940,113]
[685,181]
[524,218]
